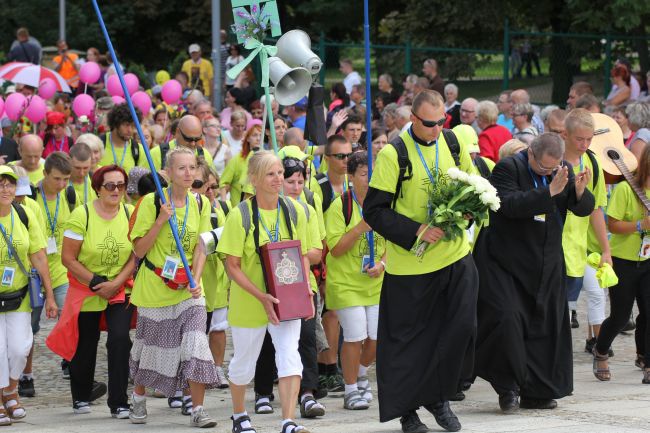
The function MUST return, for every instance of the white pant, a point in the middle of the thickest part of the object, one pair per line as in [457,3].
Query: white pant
[359,323]
[247,343]
[596,297]
[219,320]
[15,343]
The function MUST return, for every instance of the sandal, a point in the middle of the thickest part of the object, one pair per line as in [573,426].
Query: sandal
[310,408]
[13,406]
[296,428]
[237,425]
[4,417]
[640,361]
[354,401]
[602,374]
[263,407]
[646,376]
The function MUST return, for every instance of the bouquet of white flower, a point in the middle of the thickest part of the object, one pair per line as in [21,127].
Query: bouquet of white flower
[454,199]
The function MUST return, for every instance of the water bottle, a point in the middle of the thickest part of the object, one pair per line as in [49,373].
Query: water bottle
[36,298]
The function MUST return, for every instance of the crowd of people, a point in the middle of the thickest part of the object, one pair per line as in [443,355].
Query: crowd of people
[102,246]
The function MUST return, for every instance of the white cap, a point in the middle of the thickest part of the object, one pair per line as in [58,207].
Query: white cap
[263,99]
[23,186]
[194,48]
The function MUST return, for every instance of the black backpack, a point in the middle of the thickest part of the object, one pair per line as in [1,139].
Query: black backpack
[594,164]
[482,167]
[135,148]
[22,215]
[327,190]
[164,149]
[405,166]
[70,195]
[347,200]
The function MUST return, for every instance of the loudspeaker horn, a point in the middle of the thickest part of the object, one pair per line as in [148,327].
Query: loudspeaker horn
[294,48]
[291,84]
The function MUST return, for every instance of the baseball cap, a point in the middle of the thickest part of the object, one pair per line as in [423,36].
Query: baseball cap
[293,152]
[467,136]
[23,187]
[5,169]
[302,103]
[194,48]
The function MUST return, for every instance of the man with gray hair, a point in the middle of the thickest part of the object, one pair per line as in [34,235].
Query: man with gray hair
[468,111]
[403,118]
[523,346]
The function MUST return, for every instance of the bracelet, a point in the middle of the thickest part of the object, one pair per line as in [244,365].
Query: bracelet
[638,227]
[383,264]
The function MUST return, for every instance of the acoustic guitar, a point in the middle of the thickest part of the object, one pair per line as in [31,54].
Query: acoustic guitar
[617,161]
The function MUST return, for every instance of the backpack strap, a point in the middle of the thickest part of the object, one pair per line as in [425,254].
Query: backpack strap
[405,166]
[126,211]
[199,201]
[224,207]
[156,202]
[482,167]
[34,192]
[305,207]
[453,144]
[164,148]
[326,189]
[594,164]
[71,197]
[309,197]
[200,152]
[245,215]
[290,214]
[135,151]
[22,215]
[346,198]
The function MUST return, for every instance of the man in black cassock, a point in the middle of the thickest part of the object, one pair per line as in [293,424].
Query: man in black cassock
[524,336]
[427,309]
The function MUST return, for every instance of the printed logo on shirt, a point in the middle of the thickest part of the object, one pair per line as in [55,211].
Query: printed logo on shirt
[364,248]
[110,249]
[186,241]
[4,251]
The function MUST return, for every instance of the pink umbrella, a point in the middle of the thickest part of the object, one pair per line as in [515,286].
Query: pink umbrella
[32,75]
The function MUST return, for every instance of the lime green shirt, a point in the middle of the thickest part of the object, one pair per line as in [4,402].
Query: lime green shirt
[236,175]
[315,187]
[346,286]
[123,156]
[105,249]
[413,203]
[84,191]
[34,176]
[624,206]
[216,283]
[149,289]
[25,242]
[244,310]
[156,155]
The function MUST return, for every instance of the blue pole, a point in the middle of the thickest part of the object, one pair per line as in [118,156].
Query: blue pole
[366,34]
[120,74]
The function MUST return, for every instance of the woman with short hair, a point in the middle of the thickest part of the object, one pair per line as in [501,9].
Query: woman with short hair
[522,116]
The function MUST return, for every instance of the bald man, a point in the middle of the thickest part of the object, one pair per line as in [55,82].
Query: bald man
[30,149]
[294,137]
[189,133]
[521,96]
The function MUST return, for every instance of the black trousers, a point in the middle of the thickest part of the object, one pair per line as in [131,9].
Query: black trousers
[118,346]
[633,283]
[265,370]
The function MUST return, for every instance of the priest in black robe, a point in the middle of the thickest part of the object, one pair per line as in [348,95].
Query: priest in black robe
[524,337]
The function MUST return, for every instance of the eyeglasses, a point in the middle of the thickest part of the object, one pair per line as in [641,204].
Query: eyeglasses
[545,169]
[462,110]
[430,123]
[190,139]
[110,186]
[291,163]
[198,183]
[340,156]
[8,186]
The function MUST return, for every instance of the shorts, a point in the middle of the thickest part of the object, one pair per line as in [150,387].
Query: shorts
[359,323]
[219,320]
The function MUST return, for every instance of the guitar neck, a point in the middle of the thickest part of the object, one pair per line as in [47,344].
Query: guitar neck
[640,193]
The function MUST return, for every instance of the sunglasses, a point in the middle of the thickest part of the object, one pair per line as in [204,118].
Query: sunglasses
[214,187]
[190,139]
[340,156]
[198,183]
[431,123]
[111,186]
[291,163]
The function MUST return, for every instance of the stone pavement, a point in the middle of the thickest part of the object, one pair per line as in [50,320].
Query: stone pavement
[622,405]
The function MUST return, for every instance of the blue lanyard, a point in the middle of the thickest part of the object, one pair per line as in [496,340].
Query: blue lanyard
[51,222]
[110,139]
[85,189]
[581,165]
[60,149]
[354,197]
[532,175]
[277,225]
[11,237]
[187,208]
[345,186]
[424,164]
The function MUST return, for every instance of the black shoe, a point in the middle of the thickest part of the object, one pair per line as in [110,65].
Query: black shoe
[26,388]
[465,385]
[610,352]
[535,403]
[574,319]
[99,389]
[460,396]
[320,393]
[411,423]
[589,345]
[65,369]
[629,326]
[186,408]
[444,416]
[509,401]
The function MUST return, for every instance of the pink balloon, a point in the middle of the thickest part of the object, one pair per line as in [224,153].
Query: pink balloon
[2,106]
[117,100]
[14,106]
[36,109]
[83,105]
[132,83]
[89,73]
[47,88]
[172,91]
[142,101]
[113,86]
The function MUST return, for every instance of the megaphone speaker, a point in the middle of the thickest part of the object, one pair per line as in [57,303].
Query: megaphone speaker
[291,84]
[294,48]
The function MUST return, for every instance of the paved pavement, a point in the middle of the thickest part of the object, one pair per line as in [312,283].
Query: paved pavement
[622,405]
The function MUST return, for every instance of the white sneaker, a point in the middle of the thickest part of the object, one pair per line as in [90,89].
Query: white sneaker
[223,381]
[201,419]
[81,407]
[138,412]
[120,413]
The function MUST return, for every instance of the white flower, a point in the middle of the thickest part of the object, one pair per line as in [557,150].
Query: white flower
[462,176]
[453,173]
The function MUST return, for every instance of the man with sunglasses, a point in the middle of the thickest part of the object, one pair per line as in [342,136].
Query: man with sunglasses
[524,337]
[427,309]
[189,133]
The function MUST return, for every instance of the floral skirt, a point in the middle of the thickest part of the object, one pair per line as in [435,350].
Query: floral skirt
[171,349]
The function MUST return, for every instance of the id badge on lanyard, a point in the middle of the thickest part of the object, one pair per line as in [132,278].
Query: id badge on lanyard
[644,252]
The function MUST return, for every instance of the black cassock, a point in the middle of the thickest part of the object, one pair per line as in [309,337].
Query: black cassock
[524,335]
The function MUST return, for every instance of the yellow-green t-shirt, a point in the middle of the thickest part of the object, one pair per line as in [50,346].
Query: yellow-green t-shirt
[625,206]
[25,243]
[85,191]
[123,156]
[215,280]
[346,286]
[316,237]
[318,191]
[149,289]
[574,234]
[244,310]
[156,155]
[105,247]
[58,272]
[236,175]
[31,204]
[34,176]
[202,70]
[413,203]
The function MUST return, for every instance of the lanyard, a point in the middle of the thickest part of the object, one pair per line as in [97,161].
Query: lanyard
[277,225]
[424,164]
[85,189]
[51,222]
[60,149]
[187,208]
[532,175]
[354,197]
[345,186]
[110,139]
[11,238]
[581,165]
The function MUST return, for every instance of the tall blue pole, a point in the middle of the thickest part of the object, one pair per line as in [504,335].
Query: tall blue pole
[120,74]
[366,35]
